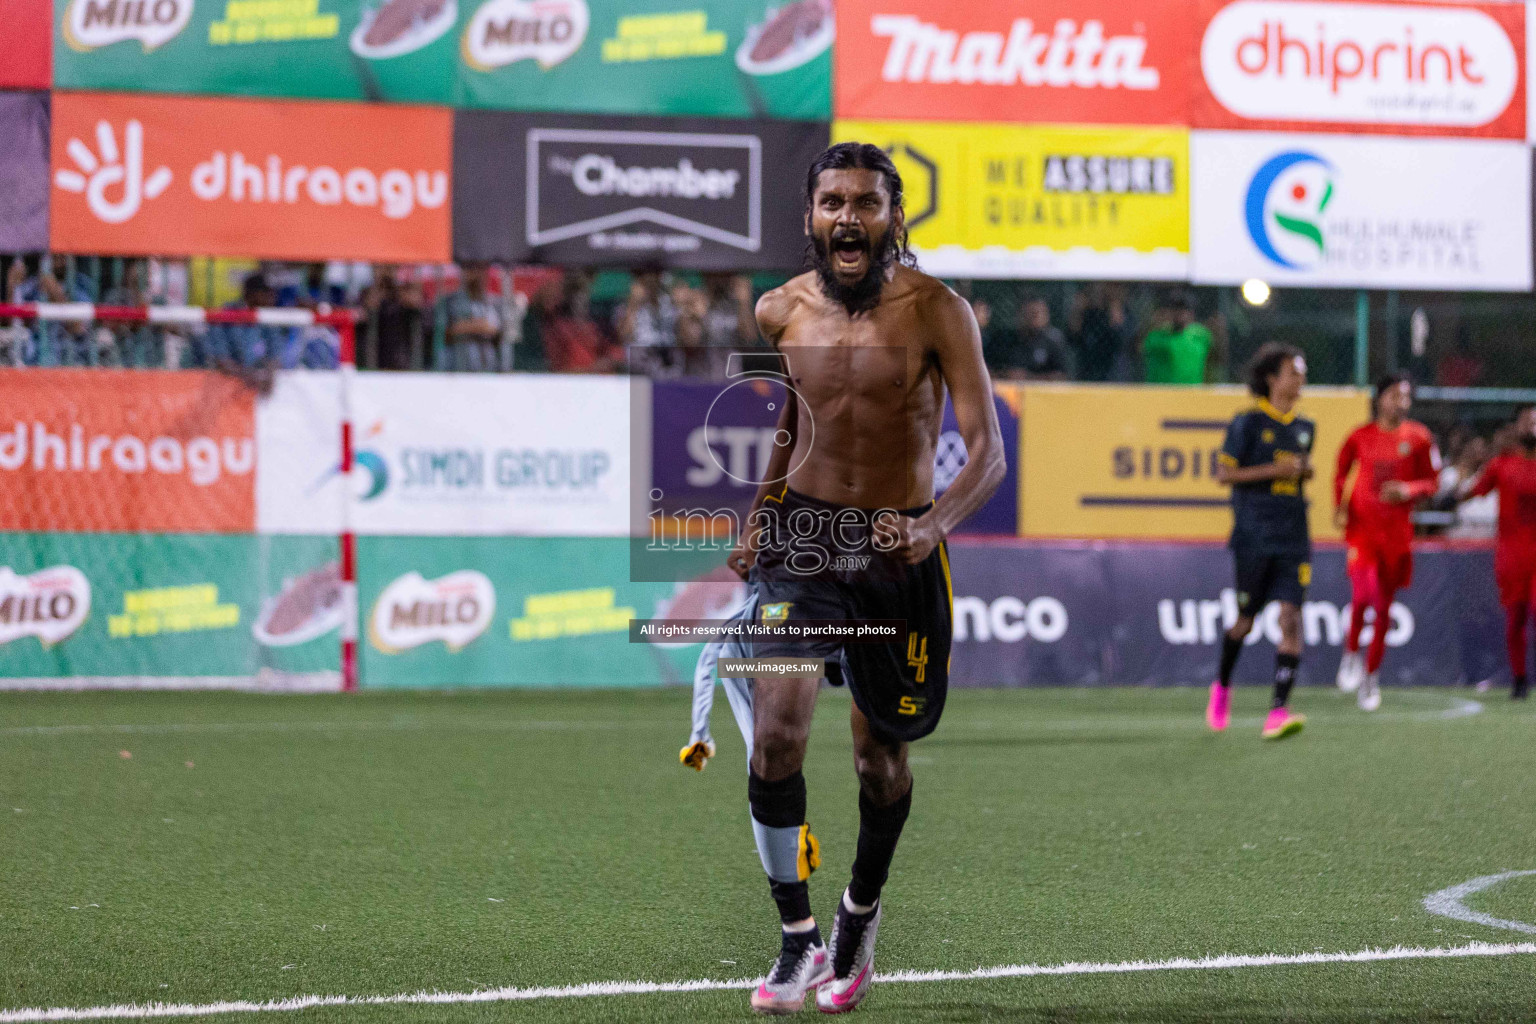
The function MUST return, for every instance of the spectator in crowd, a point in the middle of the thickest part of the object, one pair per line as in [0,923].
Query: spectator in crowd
[470,323]
[1176,348]
[647,324]
[39,278]
[1460,367]
[1100,330]
[1034,350]
[573,341]
[1467,458]
[1477,519]
[393,335]
[313,291]
[137,344]
[729,318]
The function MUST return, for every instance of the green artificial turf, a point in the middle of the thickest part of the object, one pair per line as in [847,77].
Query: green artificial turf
[260,847]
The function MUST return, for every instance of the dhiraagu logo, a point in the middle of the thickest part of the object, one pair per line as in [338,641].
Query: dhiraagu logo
[1286,202]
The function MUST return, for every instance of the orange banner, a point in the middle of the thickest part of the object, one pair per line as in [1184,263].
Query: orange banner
[274,180]
[126,451]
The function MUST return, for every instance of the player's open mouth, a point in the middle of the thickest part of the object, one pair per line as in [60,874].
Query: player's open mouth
[848,253]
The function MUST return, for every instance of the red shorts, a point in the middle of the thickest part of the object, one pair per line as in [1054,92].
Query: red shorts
[1371,563]
[1516,574]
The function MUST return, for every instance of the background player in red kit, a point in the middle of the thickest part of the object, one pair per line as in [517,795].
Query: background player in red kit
[1513,474]
[1398,466]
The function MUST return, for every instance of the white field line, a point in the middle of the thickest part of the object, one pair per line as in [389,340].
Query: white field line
[1448,903]
[1460,708]
[146,1011]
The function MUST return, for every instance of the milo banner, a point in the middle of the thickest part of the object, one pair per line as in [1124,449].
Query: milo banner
[520,611]
[1153,614]
[725,58]
[583,191]
[169,611]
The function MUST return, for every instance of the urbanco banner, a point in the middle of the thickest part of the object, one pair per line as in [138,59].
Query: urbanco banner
[1040,201]
[1346,66]
[462,454]
[1062,61]
[691,193]
[729,58]
[168,175]
[1338,211]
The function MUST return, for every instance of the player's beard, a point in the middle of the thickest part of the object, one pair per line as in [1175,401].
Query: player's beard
[864,294]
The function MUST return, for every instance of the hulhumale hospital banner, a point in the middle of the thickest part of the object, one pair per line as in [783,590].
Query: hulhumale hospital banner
[725,58]
[693,193]
[24,172]
[1336,211]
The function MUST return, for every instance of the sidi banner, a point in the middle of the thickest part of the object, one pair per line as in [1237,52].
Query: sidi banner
[1347,66]
[1065,61]
[692,193]
[301,181]
[23,171]
[28,44]
[126,451]
[1344,212]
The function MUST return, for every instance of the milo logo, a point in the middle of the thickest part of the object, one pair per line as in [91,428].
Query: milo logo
[413,611]
[503,32]
[89,24]
[50,604]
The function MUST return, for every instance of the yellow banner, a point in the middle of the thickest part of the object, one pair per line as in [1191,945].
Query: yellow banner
[1099,193]
[1138,461]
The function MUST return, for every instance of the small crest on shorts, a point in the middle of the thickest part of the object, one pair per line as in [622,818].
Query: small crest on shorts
[775,613]
[1268,437]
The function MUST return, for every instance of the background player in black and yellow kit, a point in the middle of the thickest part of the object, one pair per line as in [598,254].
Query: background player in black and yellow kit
[1266,460]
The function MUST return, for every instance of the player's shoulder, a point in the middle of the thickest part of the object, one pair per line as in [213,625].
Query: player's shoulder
[1419,432]
[930,295]
[777,306]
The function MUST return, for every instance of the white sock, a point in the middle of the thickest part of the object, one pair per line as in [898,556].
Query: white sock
[809,924]
[854,908]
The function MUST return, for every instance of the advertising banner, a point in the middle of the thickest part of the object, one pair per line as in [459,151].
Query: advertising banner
[1154,614]
[452,454]
[126,451]
[1336,211]
[169,610]
[300,181]
[757,58]
[711,441]
[1041,201]
[519,611]
[299,488]
[28,35]
[1347,66]
[23,171]
[1065,61]
[1140,461]
[630,191]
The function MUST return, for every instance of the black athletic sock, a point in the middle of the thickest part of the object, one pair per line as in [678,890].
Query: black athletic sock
[779,805]
[1230,649]
[794,900]
[794,943]
[1520,689]
[1285,678]
[879,829]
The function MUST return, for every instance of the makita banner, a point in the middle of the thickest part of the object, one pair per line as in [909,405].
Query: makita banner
[1153,614]
[1059,61]
[1393,68]
[690,193]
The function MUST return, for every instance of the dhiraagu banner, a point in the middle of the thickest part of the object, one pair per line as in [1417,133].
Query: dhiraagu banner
[1041,201]
[753,58]
[520,611]
[169,610]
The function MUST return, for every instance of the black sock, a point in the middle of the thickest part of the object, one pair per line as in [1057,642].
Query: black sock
[1285,678]
[1520,688]
[794,900]
[781,804]
[879,829]
[1230,649]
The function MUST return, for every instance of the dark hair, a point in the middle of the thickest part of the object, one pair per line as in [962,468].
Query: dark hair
[1266,362]
[862,156]
[1385,384]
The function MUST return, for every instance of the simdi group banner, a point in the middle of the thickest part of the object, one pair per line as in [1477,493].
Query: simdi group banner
[1139,462]
[1041,201]
[169,610]
[1347,66]
[729,58]
[703,194]
[24,172]
[1345,212]
[1064,61]
[276,180]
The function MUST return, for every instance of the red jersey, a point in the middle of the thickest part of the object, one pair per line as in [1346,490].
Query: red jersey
[1407,454]
[1513,475]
